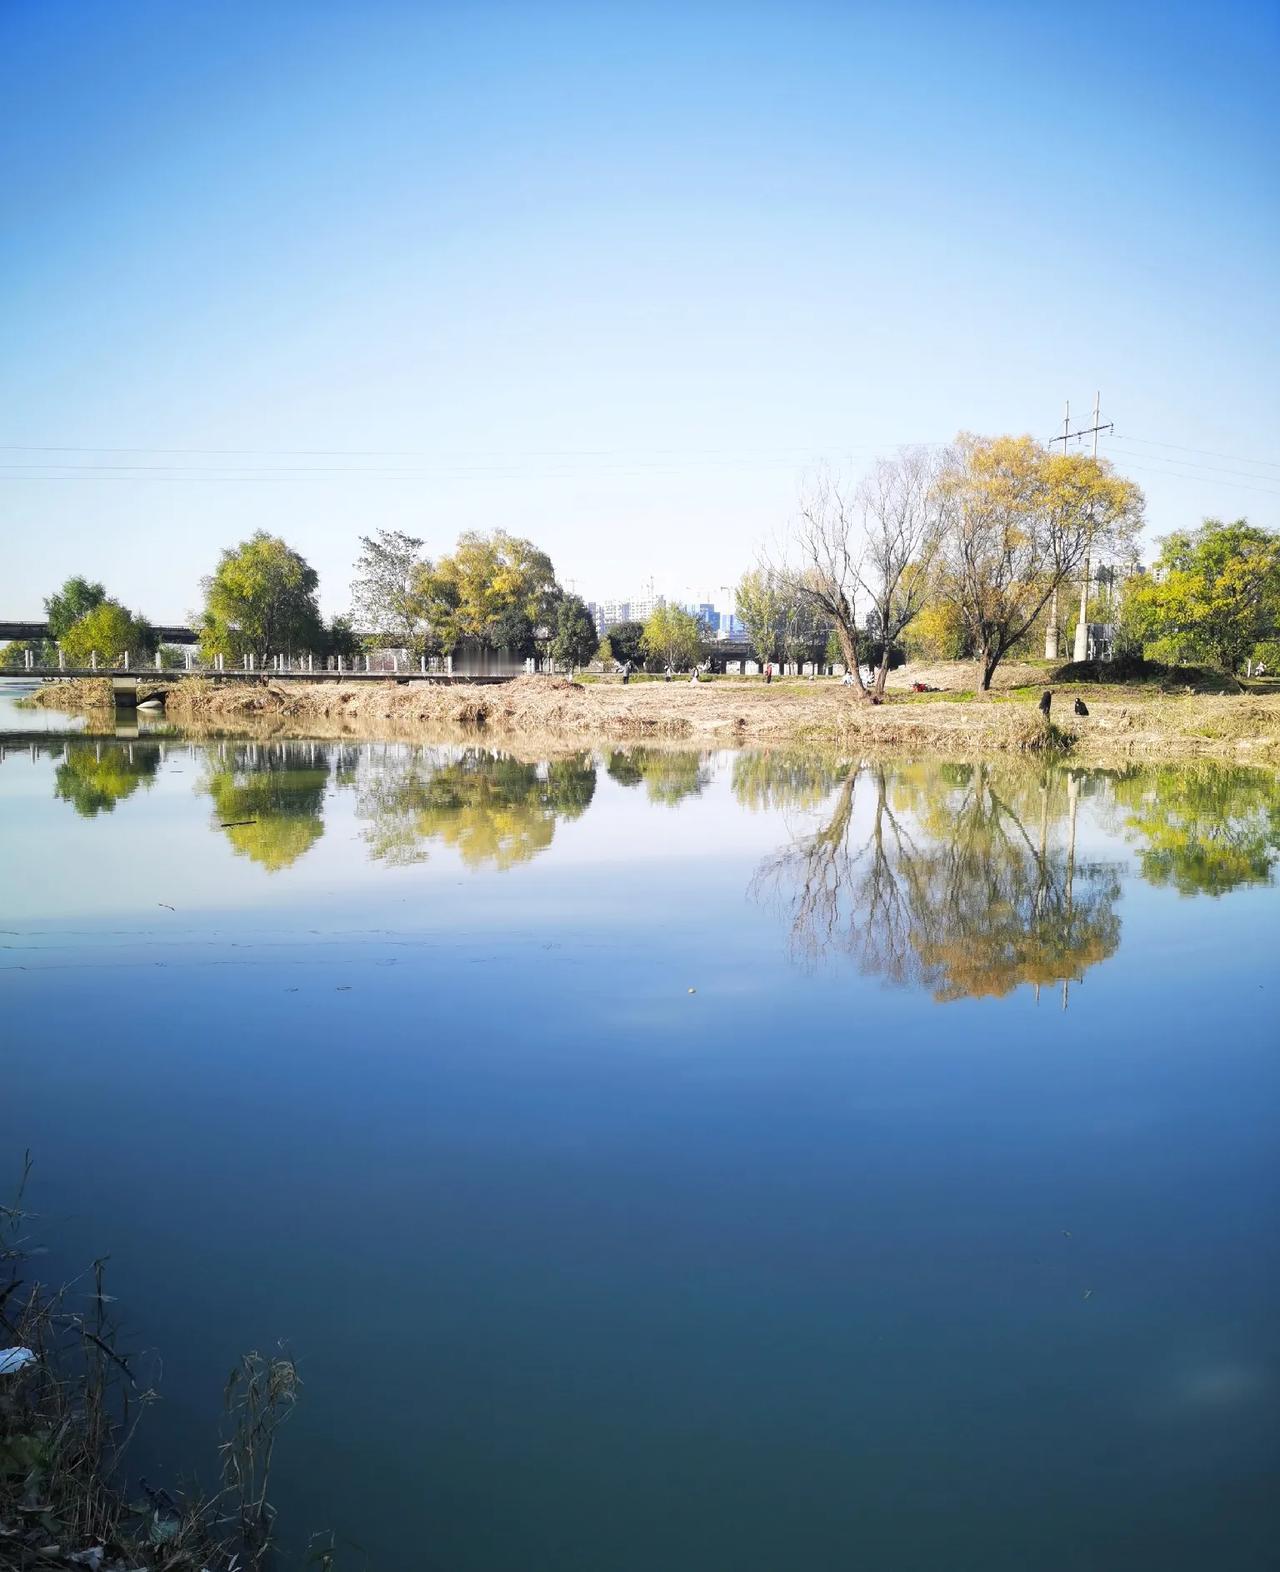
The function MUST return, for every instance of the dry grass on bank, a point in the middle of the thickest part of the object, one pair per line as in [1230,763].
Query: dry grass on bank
[1125,720]
[1122,721]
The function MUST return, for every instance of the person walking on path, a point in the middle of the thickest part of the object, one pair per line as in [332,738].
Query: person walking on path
[768,672]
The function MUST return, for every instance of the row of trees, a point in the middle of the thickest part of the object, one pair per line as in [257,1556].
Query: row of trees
[968,552]
[986,531]
[83,620]
[261,600]
[496,589]
[961,552]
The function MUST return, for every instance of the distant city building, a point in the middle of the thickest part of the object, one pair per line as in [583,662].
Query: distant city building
[609,613]
[644,607]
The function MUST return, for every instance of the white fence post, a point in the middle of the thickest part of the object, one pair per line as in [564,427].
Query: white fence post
[93,659]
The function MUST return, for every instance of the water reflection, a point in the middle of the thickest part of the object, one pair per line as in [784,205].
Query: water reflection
[268,799]
[783,778]
[94,776]
[962,879]
[1202,828]
[967,880]
[492,808]
[668,775]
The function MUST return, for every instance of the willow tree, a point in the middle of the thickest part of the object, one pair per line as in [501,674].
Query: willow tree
[66,606]
[1213,594]
[1017,521]
[110,631]
[383,596]
[498,589]
[261,601]
[823,563]
[672,637]
[902,515]
[760,603]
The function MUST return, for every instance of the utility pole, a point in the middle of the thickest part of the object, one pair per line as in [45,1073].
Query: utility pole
[1051,627]
[1081,649]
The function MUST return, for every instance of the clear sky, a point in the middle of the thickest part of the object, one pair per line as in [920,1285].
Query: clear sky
[611,276]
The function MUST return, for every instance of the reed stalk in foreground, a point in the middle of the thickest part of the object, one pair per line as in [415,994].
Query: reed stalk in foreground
[71,1400]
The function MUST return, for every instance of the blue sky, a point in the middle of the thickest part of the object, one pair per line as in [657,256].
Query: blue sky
[610,276]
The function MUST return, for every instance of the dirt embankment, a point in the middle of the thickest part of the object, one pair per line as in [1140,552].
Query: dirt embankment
[1119,724]
[76,694]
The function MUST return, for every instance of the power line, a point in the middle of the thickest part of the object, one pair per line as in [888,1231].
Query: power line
[1235,458]
[1213,469]
[1205,480]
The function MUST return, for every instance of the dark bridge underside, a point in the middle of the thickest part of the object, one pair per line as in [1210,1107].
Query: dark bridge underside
[40,630]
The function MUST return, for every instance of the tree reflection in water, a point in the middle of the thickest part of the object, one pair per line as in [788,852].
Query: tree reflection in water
[1203,828]
[492,808]
[95,775]
[669,775]
[960,879]
[268,797]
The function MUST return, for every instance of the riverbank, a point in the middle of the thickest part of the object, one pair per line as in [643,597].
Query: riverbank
[1124,721]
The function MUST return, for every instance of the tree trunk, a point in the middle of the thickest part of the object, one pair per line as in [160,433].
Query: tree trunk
[849,650]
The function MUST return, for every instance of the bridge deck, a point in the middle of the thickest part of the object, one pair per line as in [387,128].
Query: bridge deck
[153,678]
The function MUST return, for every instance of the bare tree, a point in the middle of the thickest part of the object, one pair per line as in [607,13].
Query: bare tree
[827,571]
[902,518]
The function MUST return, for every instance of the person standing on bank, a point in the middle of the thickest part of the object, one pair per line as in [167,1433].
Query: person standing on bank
[768,671]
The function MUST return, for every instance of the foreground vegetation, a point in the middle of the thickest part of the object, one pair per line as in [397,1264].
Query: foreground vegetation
[72,1398]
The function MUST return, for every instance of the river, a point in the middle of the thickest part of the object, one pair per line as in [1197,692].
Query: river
[669,1160]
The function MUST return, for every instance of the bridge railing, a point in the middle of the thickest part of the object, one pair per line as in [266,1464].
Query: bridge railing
[376,663]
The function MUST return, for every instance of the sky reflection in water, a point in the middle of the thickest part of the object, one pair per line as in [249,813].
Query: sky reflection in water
[932,1229]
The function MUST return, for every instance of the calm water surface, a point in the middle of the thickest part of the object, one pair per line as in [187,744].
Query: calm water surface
[659,1160]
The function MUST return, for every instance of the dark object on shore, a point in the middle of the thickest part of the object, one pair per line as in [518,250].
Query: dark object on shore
[1080,707]
[1046,699]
